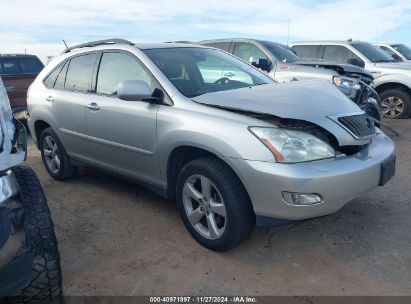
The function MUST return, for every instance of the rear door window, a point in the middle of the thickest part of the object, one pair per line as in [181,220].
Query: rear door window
[30,65]
[10,66]
[307,51]
[338,54]
[79,74]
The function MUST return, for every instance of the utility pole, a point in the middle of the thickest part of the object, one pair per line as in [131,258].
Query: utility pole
[376,34]
[288,30]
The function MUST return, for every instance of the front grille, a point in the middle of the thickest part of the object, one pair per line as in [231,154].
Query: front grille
[359,125]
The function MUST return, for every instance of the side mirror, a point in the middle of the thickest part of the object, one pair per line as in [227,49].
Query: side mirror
[134,90]
[261,63]
[357,62]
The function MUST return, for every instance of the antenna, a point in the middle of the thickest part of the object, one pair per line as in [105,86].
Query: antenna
[288,30]
[65,44]
[376,34]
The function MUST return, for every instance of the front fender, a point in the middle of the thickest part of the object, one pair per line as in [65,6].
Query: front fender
[217,131]
[392,78]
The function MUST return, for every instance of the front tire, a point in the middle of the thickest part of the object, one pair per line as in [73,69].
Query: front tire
[54,156]
[213,204]
[396,103]
[45,285]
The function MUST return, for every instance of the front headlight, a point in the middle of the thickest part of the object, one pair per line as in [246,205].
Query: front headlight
[346,82]
[292,146]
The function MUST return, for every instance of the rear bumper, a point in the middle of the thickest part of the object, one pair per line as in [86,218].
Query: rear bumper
[338,181]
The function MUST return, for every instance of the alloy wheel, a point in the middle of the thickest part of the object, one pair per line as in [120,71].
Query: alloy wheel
[393,106]
[51,154]
[204,207]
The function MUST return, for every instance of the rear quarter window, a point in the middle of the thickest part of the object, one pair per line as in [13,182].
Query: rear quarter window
[51,78]
[307,51]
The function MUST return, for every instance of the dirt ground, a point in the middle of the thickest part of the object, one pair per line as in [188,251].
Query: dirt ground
[117,238]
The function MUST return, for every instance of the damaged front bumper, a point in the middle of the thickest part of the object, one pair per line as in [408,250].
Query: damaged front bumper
[336,181]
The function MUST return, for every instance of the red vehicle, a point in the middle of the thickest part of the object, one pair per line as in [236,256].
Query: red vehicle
[18,72]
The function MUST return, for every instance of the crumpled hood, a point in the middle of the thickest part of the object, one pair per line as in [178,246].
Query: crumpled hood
[347,68]
[312,100]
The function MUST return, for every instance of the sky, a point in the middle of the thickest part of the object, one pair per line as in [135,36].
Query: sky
[38,27]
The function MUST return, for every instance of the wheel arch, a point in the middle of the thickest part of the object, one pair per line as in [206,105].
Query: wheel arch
[391,85]
[183,154]
[39,127]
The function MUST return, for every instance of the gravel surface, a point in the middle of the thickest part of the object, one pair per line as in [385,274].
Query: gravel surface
[117,238]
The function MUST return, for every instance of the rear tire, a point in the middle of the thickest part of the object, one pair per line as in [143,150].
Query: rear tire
[396,103]
[226,191]
[45,285]
[54,156]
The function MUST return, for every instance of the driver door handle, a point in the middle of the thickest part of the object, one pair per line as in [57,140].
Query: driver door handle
[50,99]
[93,106]
[229,74]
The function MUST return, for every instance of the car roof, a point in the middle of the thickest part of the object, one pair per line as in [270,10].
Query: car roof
[328,42]
[165,45]
[17,56]
[240,39]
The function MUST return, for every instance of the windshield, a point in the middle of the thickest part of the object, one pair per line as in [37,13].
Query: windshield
[282,53]
[196,71]
[403,49]
[373,53]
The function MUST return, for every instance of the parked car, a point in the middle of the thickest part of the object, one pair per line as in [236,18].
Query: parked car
[230,152]
[29,259]
[400,52]
[18,72]
[282,64]
[392,80]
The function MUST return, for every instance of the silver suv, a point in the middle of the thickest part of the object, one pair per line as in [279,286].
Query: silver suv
[392,80]
[230,152]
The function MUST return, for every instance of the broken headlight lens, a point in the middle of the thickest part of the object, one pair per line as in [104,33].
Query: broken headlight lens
[292,146]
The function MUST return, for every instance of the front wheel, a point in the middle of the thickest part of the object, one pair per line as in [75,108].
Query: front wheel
[396,103]
[213,204]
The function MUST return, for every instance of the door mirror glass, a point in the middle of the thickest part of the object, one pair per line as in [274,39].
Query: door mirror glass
[261,63]
[133,90]
[357,62]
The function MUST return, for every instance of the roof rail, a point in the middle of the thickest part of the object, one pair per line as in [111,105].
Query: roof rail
[98,42]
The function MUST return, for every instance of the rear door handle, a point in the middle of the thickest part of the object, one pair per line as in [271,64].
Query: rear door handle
[93,106]
[50,99]
[229,74]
